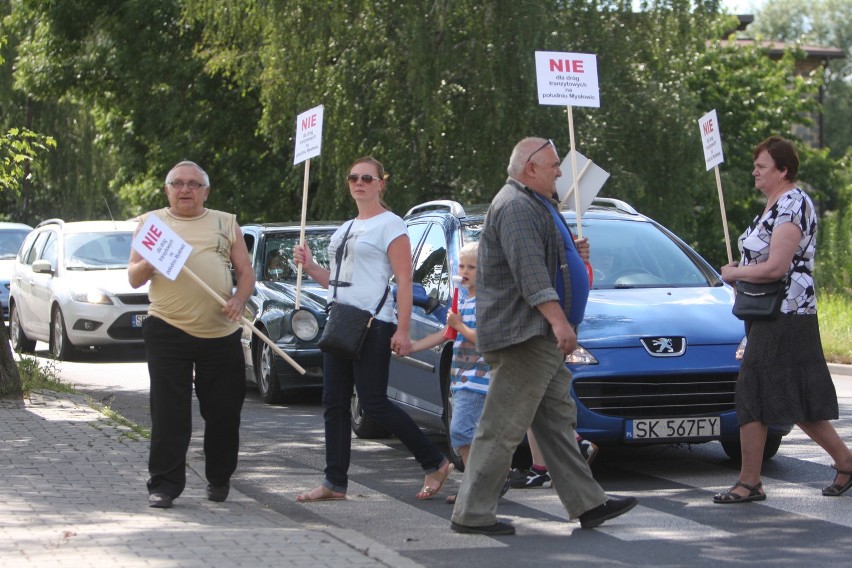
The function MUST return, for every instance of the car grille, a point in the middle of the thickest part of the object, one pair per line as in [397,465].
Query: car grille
[134,299]
[658,397]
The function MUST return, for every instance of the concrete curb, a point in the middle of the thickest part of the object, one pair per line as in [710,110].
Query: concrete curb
[838,369]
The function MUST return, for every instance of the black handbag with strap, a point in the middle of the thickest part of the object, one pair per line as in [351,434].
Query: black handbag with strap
[763,301]
[346,327]
[759,301]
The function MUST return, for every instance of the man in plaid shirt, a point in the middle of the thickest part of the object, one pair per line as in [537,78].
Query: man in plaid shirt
[532,288]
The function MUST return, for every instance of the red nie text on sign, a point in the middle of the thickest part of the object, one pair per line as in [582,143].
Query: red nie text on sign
[151,237]
[567,65]
[309,122]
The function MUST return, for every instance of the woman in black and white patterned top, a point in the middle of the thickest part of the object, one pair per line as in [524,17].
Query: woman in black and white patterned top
[784,378]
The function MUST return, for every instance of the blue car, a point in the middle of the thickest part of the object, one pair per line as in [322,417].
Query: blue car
[658,352]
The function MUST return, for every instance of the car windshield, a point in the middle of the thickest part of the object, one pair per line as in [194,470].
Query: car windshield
[97,251]
[634,254]
[279,264]
[10,242]
[631,254]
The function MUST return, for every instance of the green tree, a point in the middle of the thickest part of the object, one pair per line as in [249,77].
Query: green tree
[824,23]
[18,148]
[438,90]
[130,67]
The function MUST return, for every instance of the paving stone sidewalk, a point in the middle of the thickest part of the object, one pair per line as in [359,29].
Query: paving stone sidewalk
[72,494]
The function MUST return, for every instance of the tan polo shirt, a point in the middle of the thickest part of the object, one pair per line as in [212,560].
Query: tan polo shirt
[182,302]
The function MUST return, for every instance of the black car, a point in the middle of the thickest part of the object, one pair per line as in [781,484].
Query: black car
[272,309]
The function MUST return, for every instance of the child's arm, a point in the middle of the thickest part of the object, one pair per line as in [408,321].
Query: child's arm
[454,321]
[429,341]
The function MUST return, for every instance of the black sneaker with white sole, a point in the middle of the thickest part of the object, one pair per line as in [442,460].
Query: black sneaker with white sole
[528,479]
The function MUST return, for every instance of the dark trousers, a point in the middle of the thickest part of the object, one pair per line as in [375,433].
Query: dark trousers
[220,387]
[369,375]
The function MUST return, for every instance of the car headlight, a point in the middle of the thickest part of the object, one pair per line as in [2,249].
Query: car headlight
[90,296]
[741,349]
[581,356]
[305,325]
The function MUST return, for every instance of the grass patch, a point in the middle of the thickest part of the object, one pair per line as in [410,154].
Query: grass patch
[36,375]
[121,420]
[835,327]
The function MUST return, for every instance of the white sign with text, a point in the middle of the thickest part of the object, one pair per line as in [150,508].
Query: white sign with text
[162,247]
[711,139]
[569,79]
[308,135]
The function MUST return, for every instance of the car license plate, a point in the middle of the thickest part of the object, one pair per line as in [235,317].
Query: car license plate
[137,319]
[663,428]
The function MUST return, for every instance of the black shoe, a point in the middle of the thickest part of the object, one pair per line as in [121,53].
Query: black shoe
[529,478]
[613,507]
[218,493]
[497,529]
[160,501]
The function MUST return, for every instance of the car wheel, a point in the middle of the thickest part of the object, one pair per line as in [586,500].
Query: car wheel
[266,377]
[20,341]
[452,453]
[363,425]
[60,345]
[733,448]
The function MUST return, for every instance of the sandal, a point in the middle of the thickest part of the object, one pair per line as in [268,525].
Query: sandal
[730,497]
[321,493]
[835,489]
[430,491]
[451,499]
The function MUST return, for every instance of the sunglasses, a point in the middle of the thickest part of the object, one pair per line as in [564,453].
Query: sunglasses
[366,178]
[542,147]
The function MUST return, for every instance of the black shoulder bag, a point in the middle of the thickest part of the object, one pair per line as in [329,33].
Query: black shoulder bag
[346,326]
[761,301]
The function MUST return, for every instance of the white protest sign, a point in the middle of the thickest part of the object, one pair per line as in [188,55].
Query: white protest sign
[162,247]
[308,135]
[591,179]
[567,79]
[711,139]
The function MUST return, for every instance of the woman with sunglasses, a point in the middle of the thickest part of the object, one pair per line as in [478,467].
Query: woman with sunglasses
[364,253]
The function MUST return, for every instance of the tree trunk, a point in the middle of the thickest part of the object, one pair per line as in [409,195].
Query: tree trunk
[10,379]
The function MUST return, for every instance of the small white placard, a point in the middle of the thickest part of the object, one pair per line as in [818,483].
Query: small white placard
[308,135]
[592,179]
[162,247]
[569,79]
[711,139]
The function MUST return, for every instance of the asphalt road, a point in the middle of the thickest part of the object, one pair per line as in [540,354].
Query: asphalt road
[676,523]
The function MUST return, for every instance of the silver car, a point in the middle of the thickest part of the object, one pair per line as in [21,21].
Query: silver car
[70,289]
[11,237]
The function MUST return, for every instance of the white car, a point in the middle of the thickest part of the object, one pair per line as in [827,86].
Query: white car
[11,237]
[70,289]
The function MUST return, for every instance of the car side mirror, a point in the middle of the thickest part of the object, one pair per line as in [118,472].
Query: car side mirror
[42,267]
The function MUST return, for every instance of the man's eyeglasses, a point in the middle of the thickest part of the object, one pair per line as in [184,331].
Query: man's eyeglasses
[366,178]
[542,147]
[179,184]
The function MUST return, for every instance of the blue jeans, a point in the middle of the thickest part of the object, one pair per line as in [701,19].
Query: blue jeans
[220,385]
[467,408]
[369,375]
